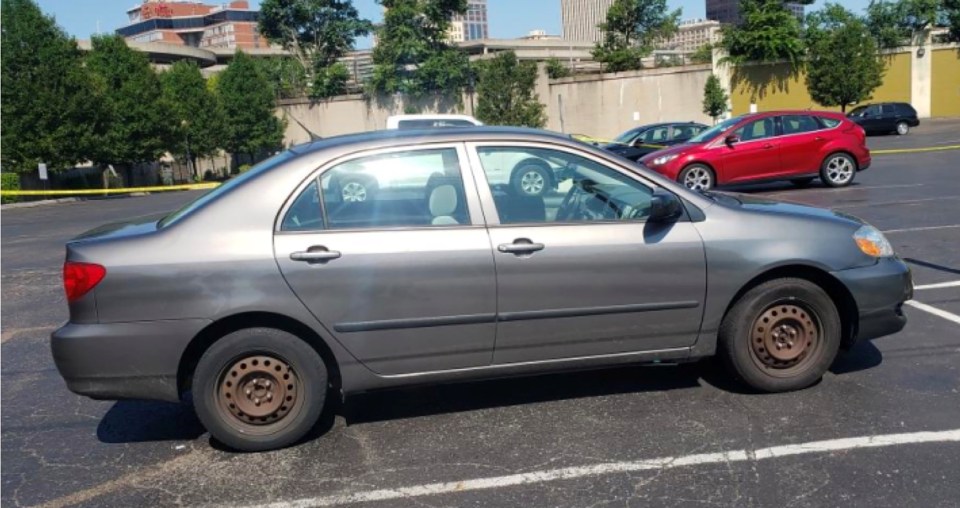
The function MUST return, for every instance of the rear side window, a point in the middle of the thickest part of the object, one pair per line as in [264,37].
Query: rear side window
[829,122]
[906,109]
[417,188]
[798,124]
[305,214]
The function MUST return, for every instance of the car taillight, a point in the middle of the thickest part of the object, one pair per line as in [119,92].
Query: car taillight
[80,278]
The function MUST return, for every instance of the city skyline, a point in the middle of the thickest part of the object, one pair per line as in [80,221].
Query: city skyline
[80,18]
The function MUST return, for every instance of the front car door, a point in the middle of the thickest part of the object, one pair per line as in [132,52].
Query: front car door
[404,277]
[580,272]
[754,156]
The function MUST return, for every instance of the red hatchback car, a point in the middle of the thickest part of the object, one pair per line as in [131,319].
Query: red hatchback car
[786,145]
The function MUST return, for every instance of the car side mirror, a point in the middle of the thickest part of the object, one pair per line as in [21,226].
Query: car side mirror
[732,140]
[664,207]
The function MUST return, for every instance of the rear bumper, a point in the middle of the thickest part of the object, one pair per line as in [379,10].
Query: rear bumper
[123,360]
[879,291]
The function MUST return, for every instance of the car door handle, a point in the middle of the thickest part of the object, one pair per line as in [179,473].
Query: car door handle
[520,246]
[767,146]
[315,255]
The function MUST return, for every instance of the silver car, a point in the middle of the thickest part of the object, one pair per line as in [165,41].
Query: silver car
[271,294]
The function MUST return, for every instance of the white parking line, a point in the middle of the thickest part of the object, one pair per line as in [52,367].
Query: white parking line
[939,285]
[949,316]
[928,228]
[570,473]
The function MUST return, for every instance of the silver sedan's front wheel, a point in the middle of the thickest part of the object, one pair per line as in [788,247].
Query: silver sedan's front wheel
[697,177]
[838,170]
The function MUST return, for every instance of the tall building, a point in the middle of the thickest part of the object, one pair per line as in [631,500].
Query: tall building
[472,25]
[581,17]
[691,35]
[728,11]
[185,23]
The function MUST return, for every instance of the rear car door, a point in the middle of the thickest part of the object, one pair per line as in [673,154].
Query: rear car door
[755,156]
[803,138]
[403,278]
[580,272]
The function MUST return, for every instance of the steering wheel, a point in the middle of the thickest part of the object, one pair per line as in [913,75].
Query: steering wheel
[565,211]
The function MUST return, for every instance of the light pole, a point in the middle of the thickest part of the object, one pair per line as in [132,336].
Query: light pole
[186,143]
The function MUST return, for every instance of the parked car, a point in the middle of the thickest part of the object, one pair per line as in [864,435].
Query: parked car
[431,121]
[884,118]
[269,295]
[788,145]
[646,139]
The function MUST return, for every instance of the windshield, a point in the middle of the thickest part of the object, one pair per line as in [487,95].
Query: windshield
[229,184]
[711,133]
[627,137]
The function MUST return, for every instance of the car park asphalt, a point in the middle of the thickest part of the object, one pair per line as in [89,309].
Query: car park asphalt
[655,435]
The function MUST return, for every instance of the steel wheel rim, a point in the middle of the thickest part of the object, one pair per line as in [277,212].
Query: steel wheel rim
[785,339]
[258,393]
[839,170]
[697,179]
[532,183]
[354,192]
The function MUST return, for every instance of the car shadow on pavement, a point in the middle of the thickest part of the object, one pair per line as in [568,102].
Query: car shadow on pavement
[134,421]
[862,356]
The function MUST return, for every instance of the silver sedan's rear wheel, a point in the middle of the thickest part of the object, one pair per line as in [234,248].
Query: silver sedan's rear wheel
[838,170]
[697,177]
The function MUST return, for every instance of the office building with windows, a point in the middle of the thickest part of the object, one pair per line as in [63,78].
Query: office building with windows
[472,25]
[728,11]
[692,35]
[230,25]
[580,19]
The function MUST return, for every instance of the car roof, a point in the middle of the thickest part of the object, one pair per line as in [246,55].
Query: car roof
[401,137]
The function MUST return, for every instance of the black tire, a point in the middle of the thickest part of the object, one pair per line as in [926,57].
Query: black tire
[531,178]
[834,166]
[247,359]
[802,182]
[802,307]
[902,128]
[357,189]
[697,177]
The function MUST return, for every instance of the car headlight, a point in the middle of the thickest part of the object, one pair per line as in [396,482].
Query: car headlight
[663,159]
[872,242]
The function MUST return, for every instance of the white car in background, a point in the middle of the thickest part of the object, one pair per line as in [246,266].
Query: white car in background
[430,121]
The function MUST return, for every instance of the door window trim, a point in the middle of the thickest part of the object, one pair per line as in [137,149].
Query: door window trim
[474,208]
[489,207]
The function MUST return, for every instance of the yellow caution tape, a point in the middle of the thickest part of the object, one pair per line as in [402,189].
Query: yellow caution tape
[123,190]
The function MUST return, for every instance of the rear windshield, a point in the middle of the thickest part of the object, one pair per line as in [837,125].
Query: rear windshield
[253,172]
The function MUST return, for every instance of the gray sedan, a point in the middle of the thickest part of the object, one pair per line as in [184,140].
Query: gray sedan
[272,294]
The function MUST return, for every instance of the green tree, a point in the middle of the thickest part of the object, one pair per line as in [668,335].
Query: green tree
[703,54]
[556,69]
[49,109]
[952,18]
[715,98]
[631,30]
[506,92]
[883,22]
[901,22]
[287,77]
[137,124]
[769,33]
[248,103]
[317,32]
[843,67]
[196,115]
[413,55]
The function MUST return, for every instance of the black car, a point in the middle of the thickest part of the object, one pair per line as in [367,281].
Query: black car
[885,118]
[646,139]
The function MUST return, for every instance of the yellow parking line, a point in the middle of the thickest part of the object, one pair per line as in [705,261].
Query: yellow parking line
[916,150]
[124,190]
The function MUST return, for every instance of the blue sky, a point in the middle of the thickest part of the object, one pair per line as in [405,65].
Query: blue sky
[508,18]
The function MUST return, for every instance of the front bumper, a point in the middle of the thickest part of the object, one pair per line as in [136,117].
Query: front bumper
[879,291]
[111,361]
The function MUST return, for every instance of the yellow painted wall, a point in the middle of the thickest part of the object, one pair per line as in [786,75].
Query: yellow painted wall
[945,89]
[772,87]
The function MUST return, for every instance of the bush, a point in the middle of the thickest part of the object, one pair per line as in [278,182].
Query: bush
[9,181]
[244,168]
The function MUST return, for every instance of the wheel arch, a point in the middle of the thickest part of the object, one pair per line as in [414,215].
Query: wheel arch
[229,324]
[838,293]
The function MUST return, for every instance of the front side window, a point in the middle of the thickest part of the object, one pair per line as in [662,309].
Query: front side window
[758,129]
[417,188]
[577,189]
[655,135]
[798,124]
